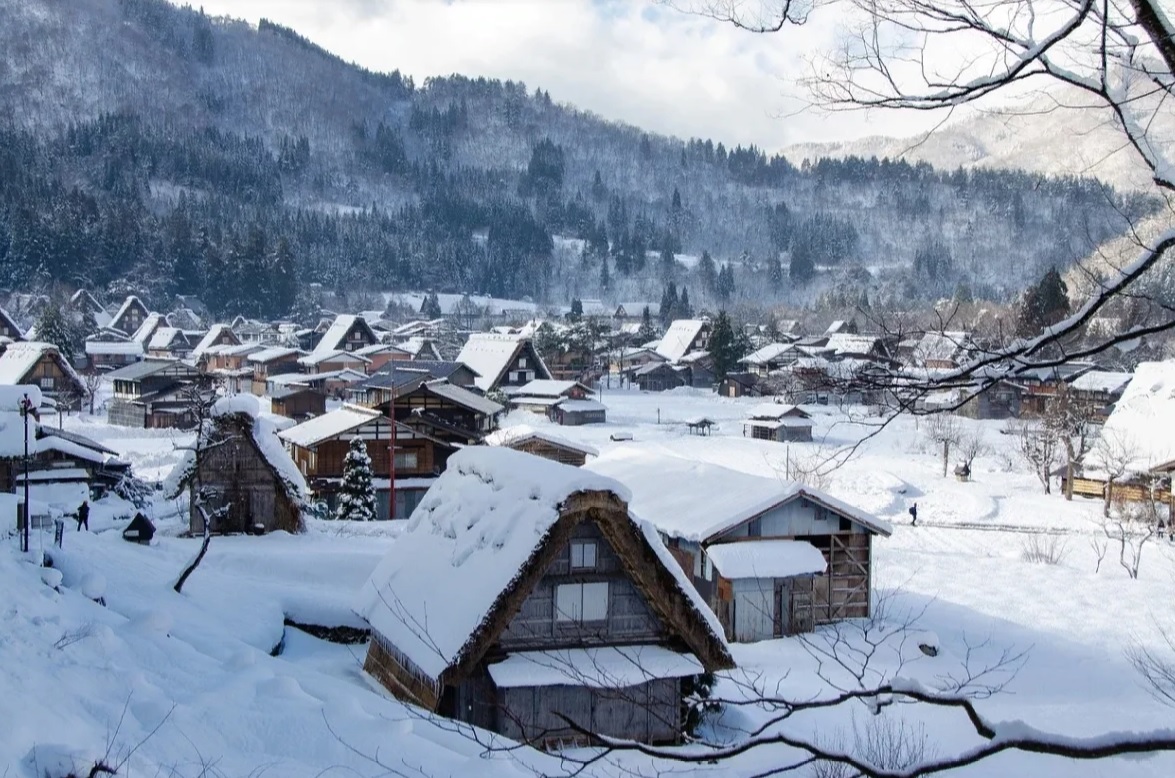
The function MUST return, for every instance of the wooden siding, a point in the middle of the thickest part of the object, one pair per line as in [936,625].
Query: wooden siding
[398,674]
[629,618]
[542,448]
[648,713]
[124,413]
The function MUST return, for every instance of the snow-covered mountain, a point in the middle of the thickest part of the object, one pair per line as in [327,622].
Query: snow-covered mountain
[1062,133]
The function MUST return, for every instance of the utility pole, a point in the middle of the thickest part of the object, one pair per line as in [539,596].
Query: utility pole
[392,452]
[25,408]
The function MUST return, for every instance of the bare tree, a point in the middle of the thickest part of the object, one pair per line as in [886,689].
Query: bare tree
[971,446]
[944,431]
[1114,453]
[200,404]
[1157,667]
[92,380]
[1132,524]
[1071,423]
[1038,448]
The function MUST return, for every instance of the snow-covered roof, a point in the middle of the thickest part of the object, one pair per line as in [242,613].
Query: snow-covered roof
[581,406]
[847,343]
[1105,381]
[766,354]
[696,500]
[680,336]
[19,358]
[766,559]
[465,545]
[318,357]
[125,348]
[517,435]
[462,396]
[130,301]
[328,425]
[489,354]
[216,332]
[607,667]
[336,334]
[1141,422]
[777,411]
[163,337]
[547,387]
[147,328]
[380,348]
[272,353]
[941,347]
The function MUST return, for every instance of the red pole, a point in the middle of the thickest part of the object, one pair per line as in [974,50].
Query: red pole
[392,458]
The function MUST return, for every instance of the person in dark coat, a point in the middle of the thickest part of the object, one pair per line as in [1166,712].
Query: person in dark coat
[84,515]
[914,515]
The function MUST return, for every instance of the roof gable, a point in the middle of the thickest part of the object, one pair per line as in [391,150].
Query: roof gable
[680,338]
[490,355]
[132,303]
[336,336]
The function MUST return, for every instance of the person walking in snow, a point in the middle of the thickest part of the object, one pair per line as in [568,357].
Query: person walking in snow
[914,515]
[84,515]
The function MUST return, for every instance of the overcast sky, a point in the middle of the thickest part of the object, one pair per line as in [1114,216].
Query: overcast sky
[627,60]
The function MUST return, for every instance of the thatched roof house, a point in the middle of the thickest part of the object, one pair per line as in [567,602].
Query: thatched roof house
[243,468]
[523,589]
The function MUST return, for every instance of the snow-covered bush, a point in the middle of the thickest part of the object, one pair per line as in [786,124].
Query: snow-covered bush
[133,490]
[357,493]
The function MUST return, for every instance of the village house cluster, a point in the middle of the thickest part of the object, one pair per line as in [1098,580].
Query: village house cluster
[542,589]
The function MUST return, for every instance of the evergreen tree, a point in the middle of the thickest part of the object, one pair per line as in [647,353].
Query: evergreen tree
[357,492]
[430,308]
[599,191]
[725,284]
[724,346]
[803,268]
[647,332]
[1044,305]
[53,326]
[668,304]
[684,309]
[708,272]
[605,279]
[576,309]
[775,272]
[667,261]
[285,280]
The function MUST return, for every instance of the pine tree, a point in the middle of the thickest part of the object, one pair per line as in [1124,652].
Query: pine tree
[284,288]
[1044,305]
[668,304]
[775,272]
[724,346]
[605,278]
[684,309]
[54,327]
[431,306]
[708,272]
[576,309]
[599,191]
[357,492]
[647,332]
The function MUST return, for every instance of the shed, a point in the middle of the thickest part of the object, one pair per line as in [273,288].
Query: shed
[542,444]
[140,530]
[574,413]
[778,422]
[700,425]
[543,597]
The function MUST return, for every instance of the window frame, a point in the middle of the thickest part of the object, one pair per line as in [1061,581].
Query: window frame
[582,546]
[566,594]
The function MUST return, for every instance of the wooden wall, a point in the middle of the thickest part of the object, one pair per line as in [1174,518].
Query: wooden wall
[547,450]
[629,617]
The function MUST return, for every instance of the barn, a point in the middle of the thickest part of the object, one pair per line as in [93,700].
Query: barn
[542,444]
[545,601]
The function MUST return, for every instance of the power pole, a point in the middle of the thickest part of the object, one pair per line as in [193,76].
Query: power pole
[392,454]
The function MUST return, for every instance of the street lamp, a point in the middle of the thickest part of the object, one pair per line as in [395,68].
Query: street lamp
[26,408]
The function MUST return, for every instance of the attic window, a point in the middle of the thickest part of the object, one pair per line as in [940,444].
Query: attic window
[522,361]
[581,602]
[583,555]
[846,525]
[755,528]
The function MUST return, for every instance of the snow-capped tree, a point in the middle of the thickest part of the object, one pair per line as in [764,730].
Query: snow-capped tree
[357,494]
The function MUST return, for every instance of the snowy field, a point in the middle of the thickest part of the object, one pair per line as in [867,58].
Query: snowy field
[185,685]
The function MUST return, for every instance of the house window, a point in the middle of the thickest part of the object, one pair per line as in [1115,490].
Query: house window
[406,460]
[581,602]
[755,528]
[522,362]
[513,376]
[583,555]
[47,382]
[846,525]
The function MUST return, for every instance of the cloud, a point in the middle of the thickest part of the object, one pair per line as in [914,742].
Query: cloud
[634,62]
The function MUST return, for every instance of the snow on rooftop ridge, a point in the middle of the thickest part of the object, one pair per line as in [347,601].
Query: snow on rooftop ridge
[488,354]
[511,436]
[465,544]
[333,337]
[676,341]
[341,420]
[211,337]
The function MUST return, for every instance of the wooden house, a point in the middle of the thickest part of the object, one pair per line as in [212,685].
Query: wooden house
[334,361]
[1001,400]
[9,328]
[336,384]
[742,385]
[244,476]
[542,444]
[1041,385]
[567,403]
[85,305]
[169,342]
[379,354]
[154,393]
[110,349]
[346,333]
[252,331]
[944,350]
[684,336]
[660,377]
[778,422]
[272,361]
[771,357]
[217,335]
[701,369]
[575,413]
[130,316]
[319,446]
[1098,390]
[634,311]
[575,610]
[44,366]
[148,328]
[421,348]
[502,360]
[770,559]
[65,457]
[398,376]
[297,402]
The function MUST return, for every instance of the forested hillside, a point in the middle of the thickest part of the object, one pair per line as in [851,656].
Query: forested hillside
[155,149]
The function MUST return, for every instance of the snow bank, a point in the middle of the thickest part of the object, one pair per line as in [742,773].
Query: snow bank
[767,559]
